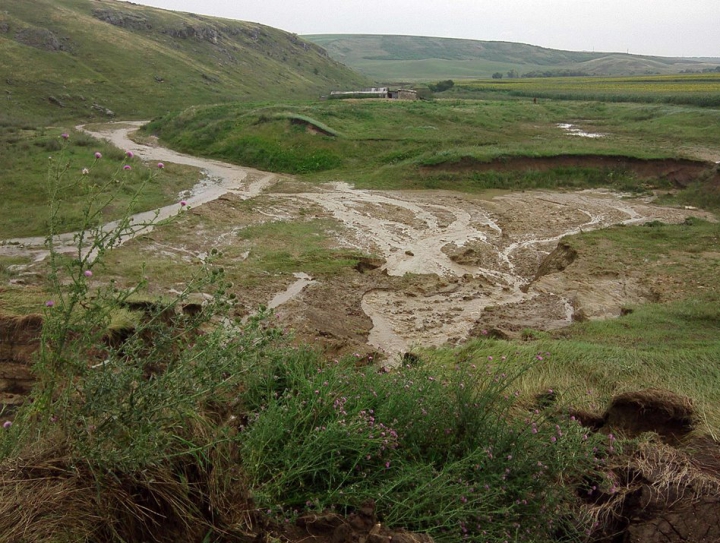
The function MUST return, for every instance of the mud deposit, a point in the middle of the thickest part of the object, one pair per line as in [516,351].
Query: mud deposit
[444,266]
[453,266]
[441,267]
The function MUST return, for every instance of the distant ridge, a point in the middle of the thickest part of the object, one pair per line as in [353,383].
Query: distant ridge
[415,58]
[90,58]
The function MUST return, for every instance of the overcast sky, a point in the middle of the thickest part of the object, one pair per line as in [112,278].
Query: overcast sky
[688,28]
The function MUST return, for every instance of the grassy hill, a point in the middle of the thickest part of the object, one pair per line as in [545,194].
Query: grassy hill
[86,58]
[416,58]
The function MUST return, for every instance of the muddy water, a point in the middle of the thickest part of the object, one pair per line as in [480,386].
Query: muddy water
[465,255]
[218,178]
[293,290]
[484,252]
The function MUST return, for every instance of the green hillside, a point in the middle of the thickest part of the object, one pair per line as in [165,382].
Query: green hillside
[416,58]
[87,58]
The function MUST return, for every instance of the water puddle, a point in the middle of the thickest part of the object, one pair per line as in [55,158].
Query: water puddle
[572,130]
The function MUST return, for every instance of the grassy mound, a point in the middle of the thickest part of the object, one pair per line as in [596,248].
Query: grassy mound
[461,145]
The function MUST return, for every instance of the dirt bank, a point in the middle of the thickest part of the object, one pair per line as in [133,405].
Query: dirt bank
[680,172]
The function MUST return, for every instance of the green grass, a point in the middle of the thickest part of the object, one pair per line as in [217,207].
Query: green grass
[672,346]
[383,144]
[287,247]
[417,58]
[33,159]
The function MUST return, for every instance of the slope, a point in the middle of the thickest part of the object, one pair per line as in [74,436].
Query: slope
[413,58]
[83,58]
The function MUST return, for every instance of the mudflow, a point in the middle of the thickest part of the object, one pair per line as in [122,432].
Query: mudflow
[452,265]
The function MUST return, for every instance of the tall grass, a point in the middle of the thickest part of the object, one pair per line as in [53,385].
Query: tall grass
[437,451]
[149,422]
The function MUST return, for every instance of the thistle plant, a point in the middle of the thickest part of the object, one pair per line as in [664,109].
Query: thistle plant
[130,387]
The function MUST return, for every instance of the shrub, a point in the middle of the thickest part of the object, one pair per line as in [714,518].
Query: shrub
[127,431]
[438,452]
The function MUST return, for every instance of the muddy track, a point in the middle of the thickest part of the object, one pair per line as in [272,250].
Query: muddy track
[474,260]
[218,179]
[451,265]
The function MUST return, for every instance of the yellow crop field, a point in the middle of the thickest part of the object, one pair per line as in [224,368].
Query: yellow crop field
[694,89]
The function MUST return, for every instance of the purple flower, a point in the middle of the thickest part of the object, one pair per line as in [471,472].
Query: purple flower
[387,464]
[127,167]
[129,154]
[98,154]
[64,135]
[161,165]
[87,273]
[49,303]
[7,424]
[183,203]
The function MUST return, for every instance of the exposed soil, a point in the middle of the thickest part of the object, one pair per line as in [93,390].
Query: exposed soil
[681,172]
[660,490]
[446,267]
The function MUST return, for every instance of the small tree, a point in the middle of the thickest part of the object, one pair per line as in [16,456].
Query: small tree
[442,86]
[497,75]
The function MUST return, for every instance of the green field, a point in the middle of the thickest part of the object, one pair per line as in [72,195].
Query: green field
[393,59]
[423,144]
[692,89]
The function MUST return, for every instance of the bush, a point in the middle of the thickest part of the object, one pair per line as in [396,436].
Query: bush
[438,452]
[128,427]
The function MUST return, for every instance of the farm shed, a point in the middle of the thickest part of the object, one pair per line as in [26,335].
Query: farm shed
[376,92]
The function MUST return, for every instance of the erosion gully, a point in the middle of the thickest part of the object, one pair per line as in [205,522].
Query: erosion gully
[500,239]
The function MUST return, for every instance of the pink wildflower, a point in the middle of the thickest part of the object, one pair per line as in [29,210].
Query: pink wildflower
[64,135]
[183,203]
[98,154]
[49,303]
[129,154]
[161,165]
[127,167]
[87,273]
[7,424]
